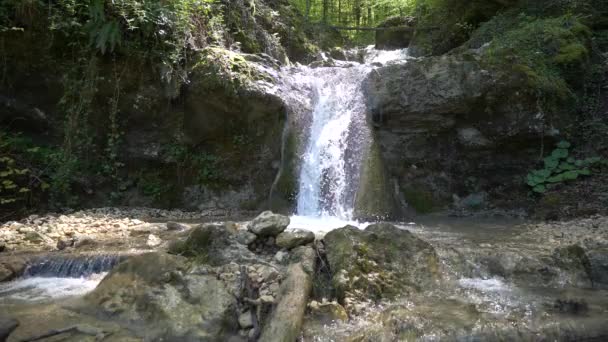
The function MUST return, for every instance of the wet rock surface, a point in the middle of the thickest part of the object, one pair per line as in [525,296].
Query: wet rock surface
[295,237]
[457,277]
[268,224]
[381,261]
[447,126]
[500,281]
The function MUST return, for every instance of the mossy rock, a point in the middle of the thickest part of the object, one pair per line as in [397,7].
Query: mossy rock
[420,199]
[374,199]
[381,261]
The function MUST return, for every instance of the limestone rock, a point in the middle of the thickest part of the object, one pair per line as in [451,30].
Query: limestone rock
[469,112]
[245,237]
[153,290]
[379,262]
[213,244]
[294,237]
[11,267]
[83,240]
[153,241]
[268,224]
[176,226]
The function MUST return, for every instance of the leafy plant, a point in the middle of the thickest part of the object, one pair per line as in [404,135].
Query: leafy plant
[560,167]
[21,174]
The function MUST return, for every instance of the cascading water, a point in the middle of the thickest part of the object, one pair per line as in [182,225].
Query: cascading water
[337,139]
[61,276]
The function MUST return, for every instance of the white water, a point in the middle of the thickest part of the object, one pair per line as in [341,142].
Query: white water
[338,138]
[44,288]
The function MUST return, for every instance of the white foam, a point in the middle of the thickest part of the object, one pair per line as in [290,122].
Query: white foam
[44,288]
[385,56]
[486,285]
[322,224]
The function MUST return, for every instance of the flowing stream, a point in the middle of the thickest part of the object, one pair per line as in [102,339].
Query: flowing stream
[55,277]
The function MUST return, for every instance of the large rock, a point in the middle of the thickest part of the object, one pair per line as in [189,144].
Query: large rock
[268,224]
[381,261]
[154,291]
[446,125]
[11,267]
[295,237]
[214,244]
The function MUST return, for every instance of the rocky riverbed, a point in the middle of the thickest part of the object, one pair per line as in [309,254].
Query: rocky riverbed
[168,276]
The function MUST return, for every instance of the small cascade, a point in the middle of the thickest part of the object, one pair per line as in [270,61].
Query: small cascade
[59,276]
[338,138]
[72,266]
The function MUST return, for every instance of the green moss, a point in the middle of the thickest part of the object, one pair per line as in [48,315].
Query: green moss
[224,70]
[420,199]
[374,198]
[547,52]
[571,54]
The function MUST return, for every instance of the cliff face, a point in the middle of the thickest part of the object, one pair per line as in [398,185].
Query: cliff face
[475,128]
[129,119]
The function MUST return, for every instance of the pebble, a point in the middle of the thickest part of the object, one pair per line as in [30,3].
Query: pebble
[153,240]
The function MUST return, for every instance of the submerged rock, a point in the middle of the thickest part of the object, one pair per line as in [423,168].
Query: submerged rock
[379,262]
[268,224]
[293,238]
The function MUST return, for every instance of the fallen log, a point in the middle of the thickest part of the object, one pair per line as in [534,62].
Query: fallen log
[286,320]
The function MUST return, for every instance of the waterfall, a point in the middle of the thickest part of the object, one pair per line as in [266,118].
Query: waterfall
[338,135]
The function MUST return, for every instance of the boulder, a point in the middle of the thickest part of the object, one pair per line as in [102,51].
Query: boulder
[268,224]
[11,267]
[154,290]
[441,121]
[176,226]
[294,237]
[381,261]
[245,237]
[213,244]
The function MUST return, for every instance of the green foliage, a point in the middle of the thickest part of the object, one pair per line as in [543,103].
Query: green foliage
[22,173]
[202,167]
[559,167]
[226,70]
[545,51]
[152,185]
